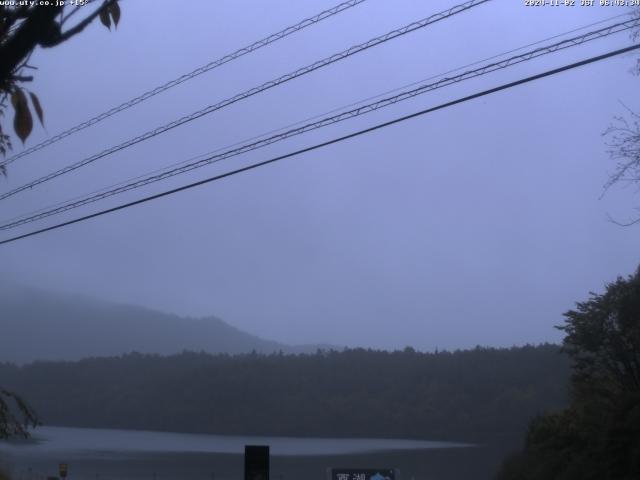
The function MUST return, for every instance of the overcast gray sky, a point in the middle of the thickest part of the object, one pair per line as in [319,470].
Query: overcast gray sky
[478,224]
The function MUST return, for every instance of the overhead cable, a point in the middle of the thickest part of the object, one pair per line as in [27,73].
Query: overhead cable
[307,22]
[379,126]
[356,112]
[253,91]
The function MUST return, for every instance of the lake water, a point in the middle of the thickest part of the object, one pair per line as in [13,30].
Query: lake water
[65,441]
[102,454]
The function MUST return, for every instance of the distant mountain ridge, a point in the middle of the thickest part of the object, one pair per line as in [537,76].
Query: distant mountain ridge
[42,325]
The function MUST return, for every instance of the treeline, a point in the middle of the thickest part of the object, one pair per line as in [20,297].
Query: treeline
[463,395]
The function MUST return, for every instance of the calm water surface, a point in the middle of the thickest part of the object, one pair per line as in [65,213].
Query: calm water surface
[87,441]
[101,454]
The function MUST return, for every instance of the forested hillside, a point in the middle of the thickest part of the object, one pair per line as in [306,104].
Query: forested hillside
[464,395]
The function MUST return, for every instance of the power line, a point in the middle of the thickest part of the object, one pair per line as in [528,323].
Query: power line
[188,76]
[379,126]
[314,117]
[185,166]
[362,110]
[253,91]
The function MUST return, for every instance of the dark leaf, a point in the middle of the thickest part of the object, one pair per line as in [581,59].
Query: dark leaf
[105,19]
[114,9]
[22,121]
[37,107]
[15,98]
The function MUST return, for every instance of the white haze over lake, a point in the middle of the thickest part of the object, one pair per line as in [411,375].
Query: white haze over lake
[83,442]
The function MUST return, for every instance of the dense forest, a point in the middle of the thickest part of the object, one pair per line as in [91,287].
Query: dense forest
[466,395]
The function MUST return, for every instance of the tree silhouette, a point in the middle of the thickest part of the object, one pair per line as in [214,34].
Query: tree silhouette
[24,27]
[598,436]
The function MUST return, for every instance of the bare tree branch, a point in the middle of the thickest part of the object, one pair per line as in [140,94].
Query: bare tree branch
[16,415]
[624,148]
[623,224]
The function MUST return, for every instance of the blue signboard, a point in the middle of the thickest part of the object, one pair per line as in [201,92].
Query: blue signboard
[363,474]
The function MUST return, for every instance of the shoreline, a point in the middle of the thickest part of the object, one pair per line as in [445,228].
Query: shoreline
[432,464]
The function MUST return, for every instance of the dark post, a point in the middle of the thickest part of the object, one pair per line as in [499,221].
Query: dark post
[256,462]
